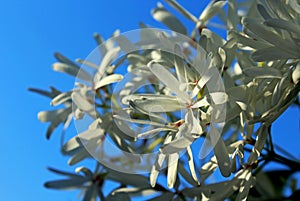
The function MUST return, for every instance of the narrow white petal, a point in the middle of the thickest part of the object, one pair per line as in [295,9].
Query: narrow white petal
[201,103]
[176,145]
[194,124]
[89,134]
[83,104]
[191,164]
[180,65]
[195,91]
[205,77]
[211,10]
[154,103]
[152,133]
[128,119]
[61,98]
[156,168]
[172,169]
[72,70]
[107,59]
[168,79]
[108,80]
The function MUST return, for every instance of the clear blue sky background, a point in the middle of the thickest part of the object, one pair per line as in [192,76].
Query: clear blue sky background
[30,32]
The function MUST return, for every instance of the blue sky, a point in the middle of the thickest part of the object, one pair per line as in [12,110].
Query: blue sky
[29,34]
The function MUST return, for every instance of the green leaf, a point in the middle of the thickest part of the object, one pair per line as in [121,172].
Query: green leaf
[220,152]
[264,33]
[294,5]
[279,178]
[262,134]
[182,10]
[165,196]
[215,40]
[262,72]
[208,168]
[256,44]
[60,172]
[279,8]
[232,18]
[180,65]
[99,40]
[118,197]
[192,165]
[210,10]
[125,44]
[67,183]
[168,19]
[283,24]
[50,94]
[186,176]
[271,54]
[128,179]
[78,156]
[91,193]
[263,12]
[63,59]
[264,185]
[245,186]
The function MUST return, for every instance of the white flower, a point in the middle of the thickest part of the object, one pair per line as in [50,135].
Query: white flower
[183,96]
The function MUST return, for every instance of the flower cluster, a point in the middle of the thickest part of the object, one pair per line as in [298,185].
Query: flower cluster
[152,105]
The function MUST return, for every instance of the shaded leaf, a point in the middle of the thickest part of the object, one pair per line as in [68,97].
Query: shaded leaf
[67,183]
[51,94]
[172,169]
[182,10]
[271,54]
[91,193]
[261,31]
[168,19]
[261,138]
[210,10]
[128,179]
[220,152]
[262,72]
